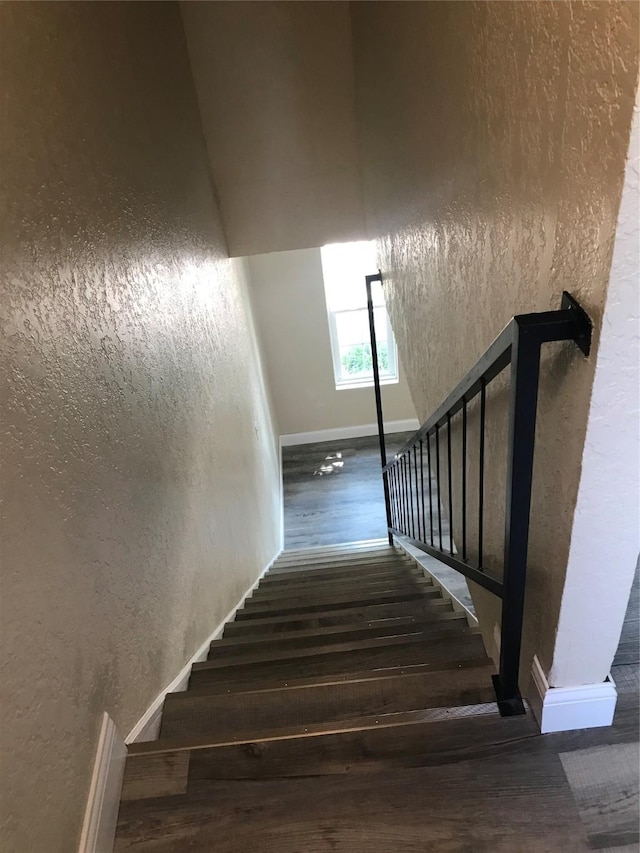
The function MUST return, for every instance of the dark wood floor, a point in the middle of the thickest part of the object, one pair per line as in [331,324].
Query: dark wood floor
[333,491]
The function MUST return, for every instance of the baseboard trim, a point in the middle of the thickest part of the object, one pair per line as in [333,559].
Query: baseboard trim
[339,433]
[562,709]
[148,726]
[457,605]
[101,815]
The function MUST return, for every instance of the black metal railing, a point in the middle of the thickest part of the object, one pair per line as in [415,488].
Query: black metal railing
[414,481]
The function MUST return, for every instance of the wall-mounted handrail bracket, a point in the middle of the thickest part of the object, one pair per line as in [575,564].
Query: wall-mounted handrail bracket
[584,326]
[517,347]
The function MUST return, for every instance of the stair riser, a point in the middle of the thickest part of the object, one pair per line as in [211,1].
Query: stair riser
[282,625]
[288,607]
[224,716]
[273,674]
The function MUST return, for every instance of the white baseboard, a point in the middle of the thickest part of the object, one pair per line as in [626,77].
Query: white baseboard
[99,827]
[410,425]
[148,726]
[457,605]
[561,709]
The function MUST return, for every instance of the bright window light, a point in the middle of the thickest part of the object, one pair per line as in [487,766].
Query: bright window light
[344,267]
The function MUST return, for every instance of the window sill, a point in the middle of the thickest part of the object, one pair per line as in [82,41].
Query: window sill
[350,386]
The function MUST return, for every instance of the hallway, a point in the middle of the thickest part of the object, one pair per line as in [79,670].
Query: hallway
[333,491]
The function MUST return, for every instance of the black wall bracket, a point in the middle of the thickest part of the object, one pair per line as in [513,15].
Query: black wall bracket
[584,324]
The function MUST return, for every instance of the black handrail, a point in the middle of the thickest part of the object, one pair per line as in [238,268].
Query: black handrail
[518,345]
[376,382]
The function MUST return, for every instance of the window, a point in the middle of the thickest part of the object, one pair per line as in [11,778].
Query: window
[344,267]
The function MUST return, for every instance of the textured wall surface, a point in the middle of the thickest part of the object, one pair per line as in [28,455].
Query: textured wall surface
[493,147]
[606,531]
[275,86]
[291,316]
[136,436]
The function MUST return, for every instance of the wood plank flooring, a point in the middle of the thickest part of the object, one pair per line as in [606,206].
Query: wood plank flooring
[342,506]
[342,712]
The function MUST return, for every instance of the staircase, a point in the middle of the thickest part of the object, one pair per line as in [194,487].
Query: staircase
[347,708]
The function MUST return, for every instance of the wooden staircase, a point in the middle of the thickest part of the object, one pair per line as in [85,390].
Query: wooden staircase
[347,708]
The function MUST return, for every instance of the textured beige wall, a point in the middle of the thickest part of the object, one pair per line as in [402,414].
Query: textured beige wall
[136,436]
[291,316]
[493,138]
[275,86]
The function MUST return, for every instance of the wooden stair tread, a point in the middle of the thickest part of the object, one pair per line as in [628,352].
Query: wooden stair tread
[326,581]
[377,721]
[289,682]
[409,651]
[427,635]
[329,572]
[288,606]
[298,621]
[356,561]
[365,588]
[258,654]
[331,633]
[312,554]
[227,714]
[479,805]
[432,736]
[410,744]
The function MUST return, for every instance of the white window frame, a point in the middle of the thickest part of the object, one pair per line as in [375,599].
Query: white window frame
[345,382]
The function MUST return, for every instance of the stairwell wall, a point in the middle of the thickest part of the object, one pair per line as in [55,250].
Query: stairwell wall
[493,139]
[140,479]
[276,93]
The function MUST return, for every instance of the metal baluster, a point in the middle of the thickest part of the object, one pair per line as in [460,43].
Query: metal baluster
[424,529]
[483,401]
[415,476]
[438,485]
[464,478]
[395,495]
[412,524]
[430,487]
[402,496]
[407,529]
[450,483]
